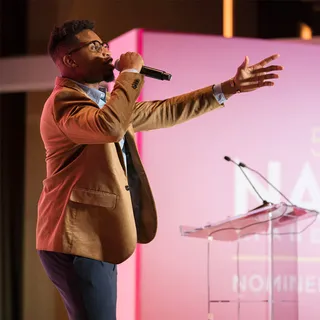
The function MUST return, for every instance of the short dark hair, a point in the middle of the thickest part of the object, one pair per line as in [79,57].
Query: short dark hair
[65,35]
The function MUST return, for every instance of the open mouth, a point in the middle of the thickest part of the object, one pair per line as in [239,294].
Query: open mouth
[109,62]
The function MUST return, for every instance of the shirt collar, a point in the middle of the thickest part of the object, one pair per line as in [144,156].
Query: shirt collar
[93,93]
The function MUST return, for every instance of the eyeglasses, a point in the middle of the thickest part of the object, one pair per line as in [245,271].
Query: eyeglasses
[94,46]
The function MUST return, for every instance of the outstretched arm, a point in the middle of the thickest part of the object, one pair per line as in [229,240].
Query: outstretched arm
[150,115]
[158,114]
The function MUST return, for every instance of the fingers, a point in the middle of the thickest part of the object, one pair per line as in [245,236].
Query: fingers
[268,84]
[251,87]
[260,78]
[244,63]
[130,60]
[257,81]
[268,69]
[265,61]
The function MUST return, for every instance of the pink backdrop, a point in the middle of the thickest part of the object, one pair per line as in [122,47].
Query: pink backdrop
[275,130]
[127,272]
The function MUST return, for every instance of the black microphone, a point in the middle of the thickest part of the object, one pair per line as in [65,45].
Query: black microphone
[241,164]
[150,72]
[240,167]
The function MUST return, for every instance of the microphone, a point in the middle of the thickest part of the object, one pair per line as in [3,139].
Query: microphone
[150,72]
[240,167]
[241,164]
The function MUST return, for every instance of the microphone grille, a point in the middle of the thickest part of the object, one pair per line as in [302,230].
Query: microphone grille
[116,64]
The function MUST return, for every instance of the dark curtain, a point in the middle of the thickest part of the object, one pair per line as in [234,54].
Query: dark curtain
[13,35]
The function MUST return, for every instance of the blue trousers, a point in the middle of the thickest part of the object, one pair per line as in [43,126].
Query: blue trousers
[88,287]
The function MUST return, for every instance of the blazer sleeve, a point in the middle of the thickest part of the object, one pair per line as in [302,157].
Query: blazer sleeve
[79,118]
[158,114]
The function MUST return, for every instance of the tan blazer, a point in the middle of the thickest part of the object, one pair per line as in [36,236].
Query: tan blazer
[85,207]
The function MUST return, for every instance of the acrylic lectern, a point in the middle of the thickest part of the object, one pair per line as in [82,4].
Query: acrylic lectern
[279,226]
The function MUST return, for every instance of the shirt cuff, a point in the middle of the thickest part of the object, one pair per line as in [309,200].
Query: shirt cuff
[130,70]
[218,94]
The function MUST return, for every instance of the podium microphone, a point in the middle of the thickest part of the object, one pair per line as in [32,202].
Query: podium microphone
[241,164]
[240,167]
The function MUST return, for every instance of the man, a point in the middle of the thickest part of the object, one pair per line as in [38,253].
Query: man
[96,202]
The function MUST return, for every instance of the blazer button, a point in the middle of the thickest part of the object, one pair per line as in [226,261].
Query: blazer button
[127,188]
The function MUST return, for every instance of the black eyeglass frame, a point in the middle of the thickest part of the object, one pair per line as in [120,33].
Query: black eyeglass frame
[102,45]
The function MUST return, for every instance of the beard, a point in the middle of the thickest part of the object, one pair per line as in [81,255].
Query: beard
[109,76]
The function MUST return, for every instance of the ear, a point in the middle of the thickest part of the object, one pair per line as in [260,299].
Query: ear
[69,62]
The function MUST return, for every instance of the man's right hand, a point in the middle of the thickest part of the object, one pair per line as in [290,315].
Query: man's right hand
[130,60]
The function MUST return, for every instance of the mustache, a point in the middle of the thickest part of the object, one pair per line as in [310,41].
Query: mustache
[108,61]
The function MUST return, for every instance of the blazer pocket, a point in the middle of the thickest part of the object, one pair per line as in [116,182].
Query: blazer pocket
[94,197]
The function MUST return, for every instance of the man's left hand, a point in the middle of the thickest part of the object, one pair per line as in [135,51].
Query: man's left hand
[249,78]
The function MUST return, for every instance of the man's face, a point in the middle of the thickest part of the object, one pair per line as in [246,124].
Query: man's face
[93,62]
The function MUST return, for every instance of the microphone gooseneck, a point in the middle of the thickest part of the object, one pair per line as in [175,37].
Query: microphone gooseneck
[241,164]
[253,187]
